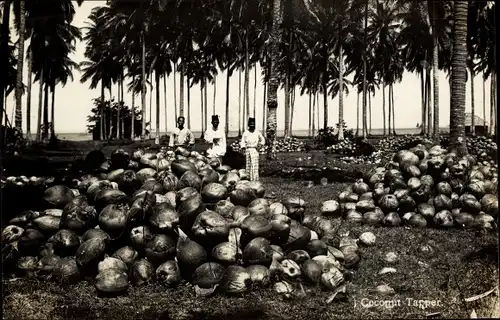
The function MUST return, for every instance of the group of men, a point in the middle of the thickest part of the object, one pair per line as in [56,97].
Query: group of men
[251,141]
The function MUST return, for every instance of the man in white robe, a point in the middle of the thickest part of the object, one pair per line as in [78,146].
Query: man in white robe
[217,138]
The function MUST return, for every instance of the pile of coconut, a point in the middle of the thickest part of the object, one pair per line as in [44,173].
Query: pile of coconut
[423,187]
[172,217]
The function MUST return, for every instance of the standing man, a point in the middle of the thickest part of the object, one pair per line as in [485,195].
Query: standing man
[181,137]
[250,142]
[217,138]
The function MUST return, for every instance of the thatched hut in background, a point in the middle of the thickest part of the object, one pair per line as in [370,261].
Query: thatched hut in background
[480,127]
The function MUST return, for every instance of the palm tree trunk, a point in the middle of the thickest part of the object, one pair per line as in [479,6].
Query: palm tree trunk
[288,87]
[132,125]
[370,112]
[341,90]
[435,73]
[247,76]
[118,108]
[264,105]
[292,109]
[215,95]
[45,134]
[255,90]
[4,47]
[188,103]
[493,87]
[484,102]
[121,128]
[473,109]
[205,112]
[40,108]
[150,104]
[383,105]
[240,111]
[428,101]
[264,109]
[393,112]
[325,94]
[287,105]
[364,68]
[3,105]
[389,124]
[28,98]
[309,127]
[228,82]
[357,114]
[165,103]
[157,83]
[459,80]
[244,115]
[175,91]
[495,114]
[53,111]
[314,115]
[317,110]
[143,87]
[20,59]
[424,103]
[110,117]
[272,99]
[103,106]
[202,110]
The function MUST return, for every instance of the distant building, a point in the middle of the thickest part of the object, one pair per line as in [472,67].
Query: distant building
[480,127]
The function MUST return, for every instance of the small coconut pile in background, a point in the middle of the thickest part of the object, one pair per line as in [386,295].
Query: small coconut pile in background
[423,187]
[286,144]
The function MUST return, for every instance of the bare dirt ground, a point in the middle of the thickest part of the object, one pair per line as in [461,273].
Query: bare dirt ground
[442,267]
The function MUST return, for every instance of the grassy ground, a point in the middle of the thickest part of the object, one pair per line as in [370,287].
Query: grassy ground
[457,264]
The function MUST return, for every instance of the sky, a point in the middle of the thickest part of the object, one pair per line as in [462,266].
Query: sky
[74,101]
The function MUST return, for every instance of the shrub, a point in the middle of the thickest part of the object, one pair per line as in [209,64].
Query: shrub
[13,139]
[329,136]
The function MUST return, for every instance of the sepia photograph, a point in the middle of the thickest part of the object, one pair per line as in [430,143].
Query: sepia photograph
[249,159]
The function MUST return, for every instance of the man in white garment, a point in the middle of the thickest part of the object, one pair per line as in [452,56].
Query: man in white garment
[250,142]
[217,138]
[181,136]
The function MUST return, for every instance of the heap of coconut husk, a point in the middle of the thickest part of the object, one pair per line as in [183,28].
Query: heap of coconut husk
[420,187]
[171,217]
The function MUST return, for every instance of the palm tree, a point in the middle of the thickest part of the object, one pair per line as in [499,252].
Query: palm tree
[425,43]
[273,46]
[51,33]
[348,14]
[7,60]
[272,94]
[28,16]
[459,79]
[486,53]
[28,97]
[365,58]
[60,75]
[322,48]
[100,64]
[20,60]
[384,32]
[158,57]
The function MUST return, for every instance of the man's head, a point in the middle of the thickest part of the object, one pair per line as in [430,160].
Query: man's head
[251,124]
[215,121]
[180,122]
